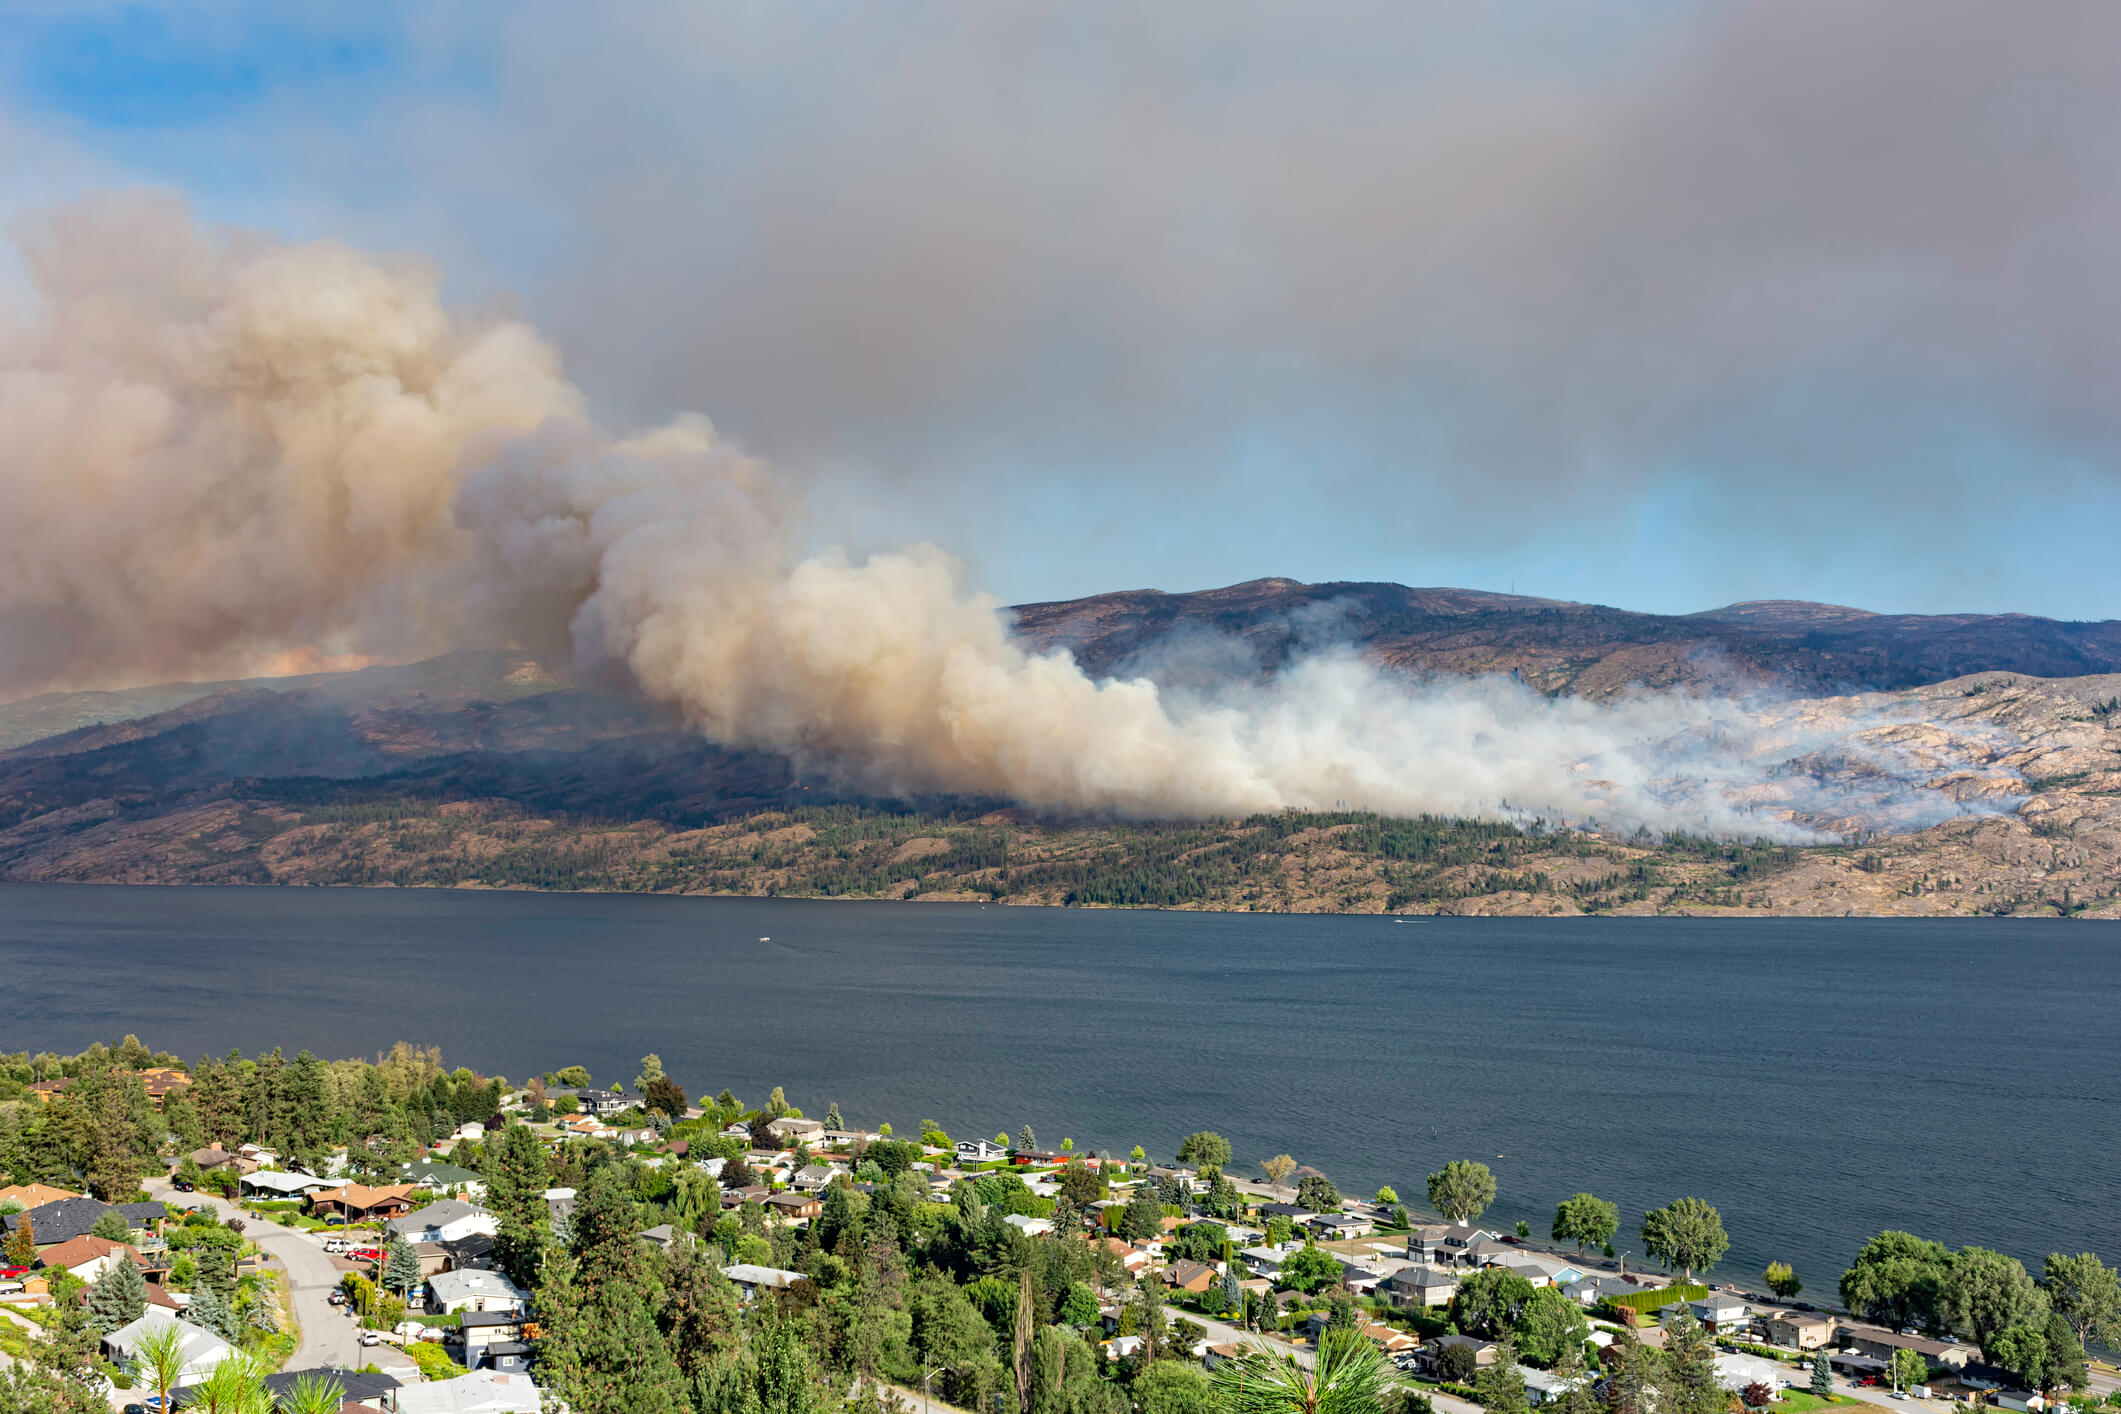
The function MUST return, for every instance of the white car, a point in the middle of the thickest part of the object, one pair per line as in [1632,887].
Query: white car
[371,1338]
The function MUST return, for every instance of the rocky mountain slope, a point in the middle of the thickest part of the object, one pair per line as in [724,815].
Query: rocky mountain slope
[489,769]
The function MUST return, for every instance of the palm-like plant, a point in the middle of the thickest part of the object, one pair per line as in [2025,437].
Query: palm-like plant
[235,1386]
[160,1357]
[1348,1377]
[314,1394]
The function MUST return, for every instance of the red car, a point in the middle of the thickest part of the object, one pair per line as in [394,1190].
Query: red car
[10,1273]
[364,1254]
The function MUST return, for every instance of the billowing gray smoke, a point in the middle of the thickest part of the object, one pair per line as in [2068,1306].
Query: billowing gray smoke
[227,452]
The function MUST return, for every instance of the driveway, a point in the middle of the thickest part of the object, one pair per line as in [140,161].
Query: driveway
[330,1337]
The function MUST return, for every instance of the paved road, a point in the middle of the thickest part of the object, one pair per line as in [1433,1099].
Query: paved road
[330,1338]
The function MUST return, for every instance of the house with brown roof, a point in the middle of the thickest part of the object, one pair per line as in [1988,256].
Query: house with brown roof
[161,1081]
[1799,1330]
[87,1256]
[35,1195]
[358,1202]
[1880,1343]
[791,1206]
[1195,1277]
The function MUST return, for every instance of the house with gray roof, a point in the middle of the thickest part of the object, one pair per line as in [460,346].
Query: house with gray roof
[203,1350]
[475,1290]
[444,1220]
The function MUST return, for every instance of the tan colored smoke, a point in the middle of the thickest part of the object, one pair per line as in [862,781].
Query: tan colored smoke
[224,450]
[219,448]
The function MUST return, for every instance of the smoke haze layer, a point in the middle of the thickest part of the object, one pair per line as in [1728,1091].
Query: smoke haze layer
[225,450]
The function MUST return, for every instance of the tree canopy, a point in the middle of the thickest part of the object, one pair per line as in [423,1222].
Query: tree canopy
[1685,1233]
[1462,1190]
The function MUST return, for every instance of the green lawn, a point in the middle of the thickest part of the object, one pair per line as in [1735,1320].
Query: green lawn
[1802,1401]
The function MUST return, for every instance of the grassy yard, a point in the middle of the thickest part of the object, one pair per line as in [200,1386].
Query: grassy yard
[1801,1401]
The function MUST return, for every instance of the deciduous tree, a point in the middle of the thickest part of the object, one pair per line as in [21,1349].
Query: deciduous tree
[2086,1293]
[1317,1193]
[1987,1293]
[1462,1190]
[1782,1280]
[1585,1220]
[1205,1148]
[1897,1280]
[1685,1233]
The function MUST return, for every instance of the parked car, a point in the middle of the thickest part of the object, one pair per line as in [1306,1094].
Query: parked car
[371,1337]
[365,1254]
[13,1271]
[335,1220]
[183,1187]
[337,1298]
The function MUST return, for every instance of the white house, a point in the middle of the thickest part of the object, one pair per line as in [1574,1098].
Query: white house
[1267,1261]
[287,1185]
[979,1151]
[1718,1311]
[480,1392]
[750,1278]
[471,1289]
[444,1220]
[202,1348]
[1029,1226]
[1544,1386]
[472,1130]
[814,1177]
[1736,1370]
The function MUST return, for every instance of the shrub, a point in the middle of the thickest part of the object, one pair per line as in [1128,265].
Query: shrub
[433,1361]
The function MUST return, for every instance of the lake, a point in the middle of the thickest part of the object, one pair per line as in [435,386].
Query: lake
[1815,1079]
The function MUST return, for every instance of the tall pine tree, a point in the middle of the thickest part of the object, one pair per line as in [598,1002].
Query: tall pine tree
[210,1311]
[401,1266]
[515,1171]
[1690,1385]
[601,1350]
[118,1298]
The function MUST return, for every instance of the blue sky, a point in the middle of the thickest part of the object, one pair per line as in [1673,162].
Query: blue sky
[1655,305]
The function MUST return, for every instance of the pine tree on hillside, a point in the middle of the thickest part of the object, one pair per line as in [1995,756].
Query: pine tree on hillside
[211,1312]
[1690,1385]
[217,1271]
[516,1171]
[118,1298]
[1822,1376]
[602,1351]
[401,1266]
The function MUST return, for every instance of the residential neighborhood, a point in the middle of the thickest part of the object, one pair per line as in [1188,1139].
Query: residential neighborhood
[483,1267]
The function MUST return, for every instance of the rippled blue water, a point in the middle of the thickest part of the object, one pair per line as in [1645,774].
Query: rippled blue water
[1815,1079]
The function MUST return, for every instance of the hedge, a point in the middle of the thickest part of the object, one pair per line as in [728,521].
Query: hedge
[1641,1303]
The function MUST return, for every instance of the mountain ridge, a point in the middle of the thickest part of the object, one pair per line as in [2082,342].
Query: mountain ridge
[492,769]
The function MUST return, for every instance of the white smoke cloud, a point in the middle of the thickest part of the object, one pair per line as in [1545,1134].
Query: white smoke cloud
[226,447]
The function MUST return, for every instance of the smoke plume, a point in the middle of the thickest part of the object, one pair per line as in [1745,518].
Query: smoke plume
[226,449]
